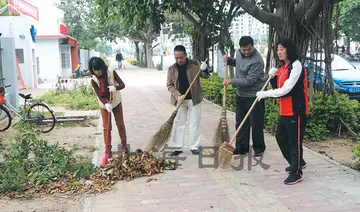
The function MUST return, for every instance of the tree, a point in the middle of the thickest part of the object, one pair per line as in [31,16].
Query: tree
[79,18]
[210,21]
[104,48]
[296,19]
[137,20]
[349,19]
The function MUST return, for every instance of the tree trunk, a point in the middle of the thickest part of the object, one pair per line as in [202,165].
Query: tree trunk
[148,54]
[200,46]
[137,50]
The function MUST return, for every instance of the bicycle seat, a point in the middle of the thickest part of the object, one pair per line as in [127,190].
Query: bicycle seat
[25,95]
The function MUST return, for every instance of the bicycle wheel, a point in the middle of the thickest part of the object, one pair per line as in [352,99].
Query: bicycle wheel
[5,119]
[42,116]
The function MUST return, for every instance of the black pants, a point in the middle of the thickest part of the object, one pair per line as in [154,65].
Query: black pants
[255,120]
[289,136]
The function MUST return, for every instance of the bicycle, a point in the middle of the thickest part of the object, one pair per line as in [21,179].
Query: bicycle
[27,113]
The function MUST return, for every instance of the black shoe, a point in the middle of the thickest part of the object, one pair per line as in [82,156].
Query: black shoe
[258,154]
[195,152]
[238,152]
[175,153]
[288,168]
[293,179]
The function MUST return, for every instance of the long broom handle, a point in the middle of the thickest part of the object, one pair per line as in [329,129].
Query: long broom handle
[188,90]
[248,113]
[225,76]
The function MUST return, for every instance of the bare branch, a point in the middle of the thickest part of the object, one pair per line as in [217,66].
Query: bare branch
[257,13]
[189,17]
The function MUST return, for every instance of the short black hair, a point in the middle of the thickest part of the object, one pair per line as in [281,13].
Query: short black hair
[180,48]
[98,64]
[246,40]
[291,50]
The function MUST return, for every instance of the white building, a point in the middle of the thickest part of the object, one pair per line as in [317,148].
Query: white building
[57,51]
[25,48]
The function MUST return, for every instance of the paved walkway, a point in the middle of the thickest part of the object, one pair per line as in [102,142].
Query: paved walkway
[327,186]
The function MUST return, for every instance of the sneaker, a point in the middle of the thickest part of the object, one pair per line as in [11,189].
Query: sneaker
[293,179]
[288,168]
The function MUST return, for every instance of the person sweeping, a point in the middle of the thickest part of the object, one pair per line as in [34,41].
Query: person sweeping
[291,88]
[103,82]
[179,78]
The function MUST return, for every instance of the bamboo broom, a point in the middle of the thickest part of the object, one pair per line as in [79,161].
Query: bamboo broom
[226,150]
[222,130]
[162,136]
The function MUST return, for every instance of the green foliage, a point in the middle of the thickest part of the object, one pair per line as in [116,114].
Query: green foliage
[79,18]
[80,97]
[356,156]
[31,161]
[107,61]
[349,18]
[271,115]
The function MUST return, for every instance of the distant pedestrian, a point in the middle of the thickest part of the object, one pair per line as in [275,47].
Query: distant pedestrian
[119,58]
[291,88]
[103,82]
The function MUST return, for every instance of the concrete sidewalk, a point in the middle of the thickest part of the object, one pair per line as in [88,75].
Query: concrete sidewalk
[327,185]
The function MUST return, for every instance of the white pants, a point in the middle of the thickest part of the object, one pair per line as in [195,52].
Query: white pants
[179,127]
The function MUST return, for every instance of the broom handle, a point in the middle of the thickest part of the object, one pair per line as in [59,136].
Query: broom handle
[188,90]
[248,113]
[225,76]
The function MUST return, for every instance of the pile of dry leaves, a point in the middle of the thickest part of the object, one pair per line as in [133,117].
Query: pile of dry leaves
[127,167]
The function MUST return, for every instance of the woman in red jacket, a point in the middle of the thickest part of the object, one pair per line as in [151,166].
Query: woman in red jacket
[291,88]
[103,82]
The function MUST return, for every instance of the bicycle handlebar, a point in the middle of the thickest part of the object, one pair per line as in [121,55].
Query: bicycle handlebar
[6,86]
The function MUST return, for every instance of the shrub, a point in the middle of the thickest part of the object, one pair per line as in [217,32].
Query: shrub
[80,97]
[31,161]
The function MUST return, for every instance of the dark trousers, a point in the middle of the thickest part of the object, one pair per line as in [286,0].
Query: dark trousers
[289,136]
[255,121]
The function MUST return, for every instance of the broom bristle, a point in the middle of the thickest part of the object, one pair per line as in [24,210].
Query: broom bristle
[225,130]
[218,137]
[162,136]
[225,155]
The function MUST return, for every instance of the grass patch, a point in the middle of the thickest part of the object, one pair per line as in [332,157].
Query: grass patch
[29,163]
[80,97]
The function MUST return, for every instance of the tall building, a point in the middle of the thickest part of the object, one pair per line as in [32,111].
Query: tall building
[248,25]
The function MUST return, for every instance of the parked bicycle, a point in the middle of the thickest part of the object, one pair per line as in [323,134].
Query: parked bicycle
[33,111]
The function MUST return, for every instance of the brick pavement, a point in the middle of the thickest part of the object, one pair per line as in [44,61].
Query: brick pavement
[327,185]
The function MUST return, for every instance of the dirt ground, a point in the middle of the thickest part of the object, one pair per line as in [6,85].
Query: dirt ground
[336,149]
[79,137]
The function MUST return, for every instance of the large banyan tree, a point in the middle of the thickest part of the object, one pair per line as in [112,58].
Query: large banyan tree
[301,20]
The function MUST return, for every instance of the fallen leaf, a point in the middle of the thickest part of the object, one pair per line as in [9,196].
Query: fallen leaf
[149,179]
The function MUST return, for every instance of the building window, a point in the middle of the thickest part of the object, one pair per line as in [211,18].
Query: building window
[65,56]
[20,53]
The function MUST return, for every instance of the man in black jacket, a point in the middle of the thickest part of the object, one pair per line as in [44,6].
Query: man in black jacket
[119,58]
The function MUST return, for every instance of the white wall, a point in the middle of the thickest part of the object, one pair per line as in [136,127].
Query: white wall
[14,26]
[49,17]
[49,58]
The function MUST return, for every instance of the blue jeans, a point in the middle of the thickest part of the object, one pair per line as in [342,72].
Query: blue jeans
[119,65]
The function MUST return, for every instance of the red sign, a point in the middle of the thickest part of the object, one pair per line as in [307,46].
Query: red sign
[24,8]
[63,29]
